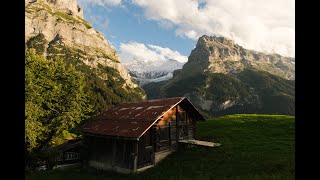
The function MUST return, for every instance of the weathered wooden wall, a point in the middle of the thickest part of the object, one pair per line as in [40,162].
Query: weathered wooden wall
[145,149]
[177,123]
[110,152]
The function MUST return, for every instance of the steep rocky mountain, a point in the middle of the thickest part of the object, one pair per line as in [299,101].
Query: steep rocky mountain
[221,55]
[56,29]
[222,77]
[145,72]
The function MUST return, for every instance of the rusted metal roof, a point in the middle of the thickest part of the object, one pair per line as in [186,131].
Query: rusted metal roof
[131,119]
[121,128]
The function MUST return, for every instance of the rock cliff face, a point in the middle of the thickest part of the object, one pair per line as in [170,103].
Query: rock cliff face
[67,6]
[63,20]
[222,77]
[56,29]
[221,55]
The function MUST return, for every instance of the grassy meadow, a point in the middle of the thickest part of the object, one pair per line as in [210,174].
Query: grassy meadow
[253,147]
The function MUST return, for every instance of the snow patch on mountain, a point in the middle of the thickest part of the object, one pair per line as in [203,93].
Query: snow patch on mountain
[152,71]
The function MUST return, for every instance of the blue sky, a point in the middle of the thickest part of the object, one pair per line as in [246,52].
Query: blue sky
[127,24]
[170,29]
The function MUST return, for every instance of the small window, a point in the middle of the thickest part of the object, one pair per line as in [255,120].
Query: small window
[72,156]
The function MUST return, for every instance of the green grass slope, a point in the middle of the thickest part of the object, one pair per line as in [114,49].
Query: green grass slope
[253,91]
[253,147]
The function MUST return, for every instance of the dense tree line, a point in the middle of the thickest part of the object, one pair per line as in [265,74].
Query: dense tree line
[55,100]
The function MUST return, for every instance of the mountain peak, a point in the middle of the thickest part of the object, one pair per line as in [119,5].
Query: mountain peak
[222,55]
[68,6]
[215,40]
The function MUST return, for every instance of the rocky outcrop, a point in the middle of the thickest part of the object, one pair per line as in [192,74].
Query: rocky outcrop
[221,55]
[63,20]
[67,6]
[222,77]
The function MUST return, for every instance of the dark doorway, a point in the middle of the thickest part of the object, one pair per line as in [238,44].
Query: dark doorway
[145,150]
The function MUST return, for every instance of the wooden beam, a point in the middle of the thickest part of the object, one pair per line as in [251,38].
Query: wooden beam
[200,143]
[169,134]
[110,137]
[124,149]
[114,150]
[95,147]
[154,137]
[194,128]
[177,128]
[187,124]
[135,156]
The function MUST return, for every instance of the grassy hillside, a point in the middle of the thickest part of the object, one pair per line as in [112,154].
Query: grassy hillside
[277,94]
[252,91]
[253,147]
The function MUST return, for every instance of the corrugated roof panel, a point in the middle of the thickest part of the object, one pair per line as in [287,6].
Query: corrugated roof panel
[123,128]
[130,119]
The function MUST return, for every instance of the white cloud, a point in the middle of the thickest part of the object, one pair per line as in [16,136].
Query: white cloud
[191,34]
[102,2]
[169,54]
[255,24]
[133,50]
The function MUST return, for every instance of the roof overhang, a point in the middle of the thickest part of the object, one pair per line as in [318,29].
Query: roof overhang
[112,137]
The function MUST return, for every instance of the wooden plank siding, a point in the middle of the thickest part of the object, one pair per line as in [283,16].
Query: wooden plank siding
[113,152]
[175,124]
[145,149]
[156,142]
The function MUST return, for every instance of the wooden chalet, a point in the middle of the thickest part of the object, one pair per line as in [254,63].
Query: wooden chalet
[134,136]
[69,152]
[67,155]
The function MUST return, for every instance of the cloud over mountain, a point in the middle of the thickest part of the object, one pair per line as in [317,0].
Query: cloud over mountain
[255,24]
[134,50]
